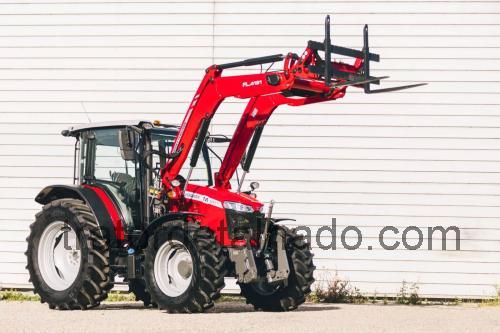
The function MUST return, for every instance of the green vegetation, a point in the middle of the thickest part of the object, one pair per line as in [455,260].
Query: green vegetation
[493,301]
[11,295]
[331,291]
[230,298]
[409,294]
[116,296]
[336,290]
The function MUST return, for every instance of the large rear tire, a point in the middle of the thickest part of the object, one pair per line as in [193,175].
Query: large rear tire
[68,258]
[267,297]
[184,267]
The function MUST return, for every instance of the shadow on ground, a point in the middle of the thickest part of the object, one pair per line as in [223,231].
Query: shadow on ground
[230,307]
[223,307]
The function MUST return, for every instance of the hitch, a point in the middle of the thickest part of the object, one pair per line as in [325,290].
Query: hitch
[244,261]
[281,274]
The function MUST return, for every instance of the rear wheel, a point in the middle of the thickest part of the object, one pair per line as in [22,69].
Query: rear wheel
[278,297]
[184,267]
[68,259]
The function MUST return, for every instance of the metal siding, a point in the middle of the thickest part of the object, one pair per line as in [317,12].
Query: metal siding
[422,157]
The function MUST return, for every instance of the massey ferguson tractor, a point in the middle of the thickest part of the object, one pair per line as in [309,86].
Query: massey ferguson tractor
[138,214]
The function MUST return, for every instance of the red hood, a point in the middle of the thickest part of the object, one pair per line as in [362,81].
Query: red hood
[218,196]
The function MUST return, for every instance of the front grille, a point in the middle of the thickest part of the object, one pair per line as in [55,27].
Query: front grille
[239,224]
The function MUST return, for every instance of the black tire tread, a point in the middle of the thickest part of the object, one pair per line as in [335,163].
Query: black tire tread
[299,282]
[138,288]
[96,281]
[213,269]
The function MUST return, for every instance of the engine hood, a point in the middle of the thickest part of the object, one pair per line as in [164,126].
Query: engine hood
[216,197]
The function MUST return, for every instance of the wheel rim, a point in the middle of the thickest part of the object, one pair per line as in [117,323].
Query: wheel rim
[173,268]
[59,255]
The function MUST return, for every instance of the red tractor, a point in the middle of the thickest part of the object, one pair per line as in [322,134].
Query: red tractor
[131,214]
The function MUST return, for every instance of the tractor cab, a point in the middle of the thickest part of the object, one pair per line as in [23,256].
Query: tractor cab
[124,159]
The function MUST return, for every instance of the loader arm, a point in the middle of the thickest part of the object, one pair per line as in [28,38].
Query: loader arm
[257,112]
[302,80]
[210,94]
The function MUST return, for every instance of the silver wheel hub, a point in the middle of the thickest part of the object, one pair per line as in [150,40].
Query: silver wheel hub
[59,255]
[173,268]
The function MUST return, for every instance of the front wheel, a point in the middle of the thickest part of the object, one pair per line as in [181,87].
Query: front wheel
[138,288]
[268,297]
[184,267]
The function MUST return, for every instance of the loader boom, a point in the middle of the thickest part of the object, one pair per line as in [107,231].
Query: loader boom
[210,94]
[302,80]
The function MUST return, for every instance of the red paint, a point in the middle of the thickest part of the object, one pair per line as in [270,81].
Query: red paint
[112,210]
[214,216]
[264,98]
[266,91]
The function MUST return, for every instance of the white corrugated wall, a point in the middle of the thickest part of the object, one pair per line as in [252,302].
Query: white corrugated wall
[424,157]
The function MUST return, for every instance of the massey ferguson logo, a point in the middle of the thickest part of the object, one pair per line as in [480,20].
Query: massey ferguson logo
[251,84]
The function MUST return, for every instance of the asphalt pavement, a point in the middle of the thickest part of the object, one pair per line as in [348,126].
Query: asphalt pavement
[237,318]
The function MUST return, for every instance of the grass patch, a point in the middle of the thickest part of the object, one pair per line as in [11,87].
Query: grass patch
[230,298]
[492,301]
[336,290]
[17,296]
[340,291]
[116,296]
[408,295]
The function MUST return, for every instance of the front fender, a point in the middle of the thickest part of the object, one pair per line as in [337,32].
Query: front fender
[142,242]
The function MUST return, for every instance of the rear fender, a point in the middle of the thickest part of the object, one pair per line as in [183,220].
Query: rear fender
[54,192]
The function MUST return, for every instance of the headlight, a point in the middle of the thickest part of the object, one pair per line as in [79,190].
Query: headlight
[239,207]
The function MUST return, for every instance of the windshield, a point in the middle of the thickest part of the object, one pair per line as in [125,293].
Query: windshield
[162,141]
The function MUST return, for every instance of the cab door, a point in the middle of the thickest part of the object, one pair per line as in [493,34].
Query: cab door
[102,165]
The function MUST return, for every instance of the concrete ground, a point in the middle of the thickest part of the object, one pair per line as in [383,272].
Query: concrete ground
[237,317]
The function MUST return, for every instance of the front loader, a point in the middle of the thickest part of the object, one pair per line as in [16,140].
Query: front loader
[139,214]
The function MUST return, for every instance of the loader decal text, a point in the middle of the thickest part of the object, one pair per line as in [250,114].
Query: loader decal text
[203,198]
[251,84]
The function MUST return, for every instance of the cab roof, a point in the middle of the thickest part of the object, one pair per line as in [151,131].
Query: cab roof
[73,130]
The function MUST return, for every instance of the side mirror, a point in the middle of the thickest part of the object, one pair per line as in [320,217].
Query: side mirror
[254,185]
[218,139]
[126,138]
[162,146]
